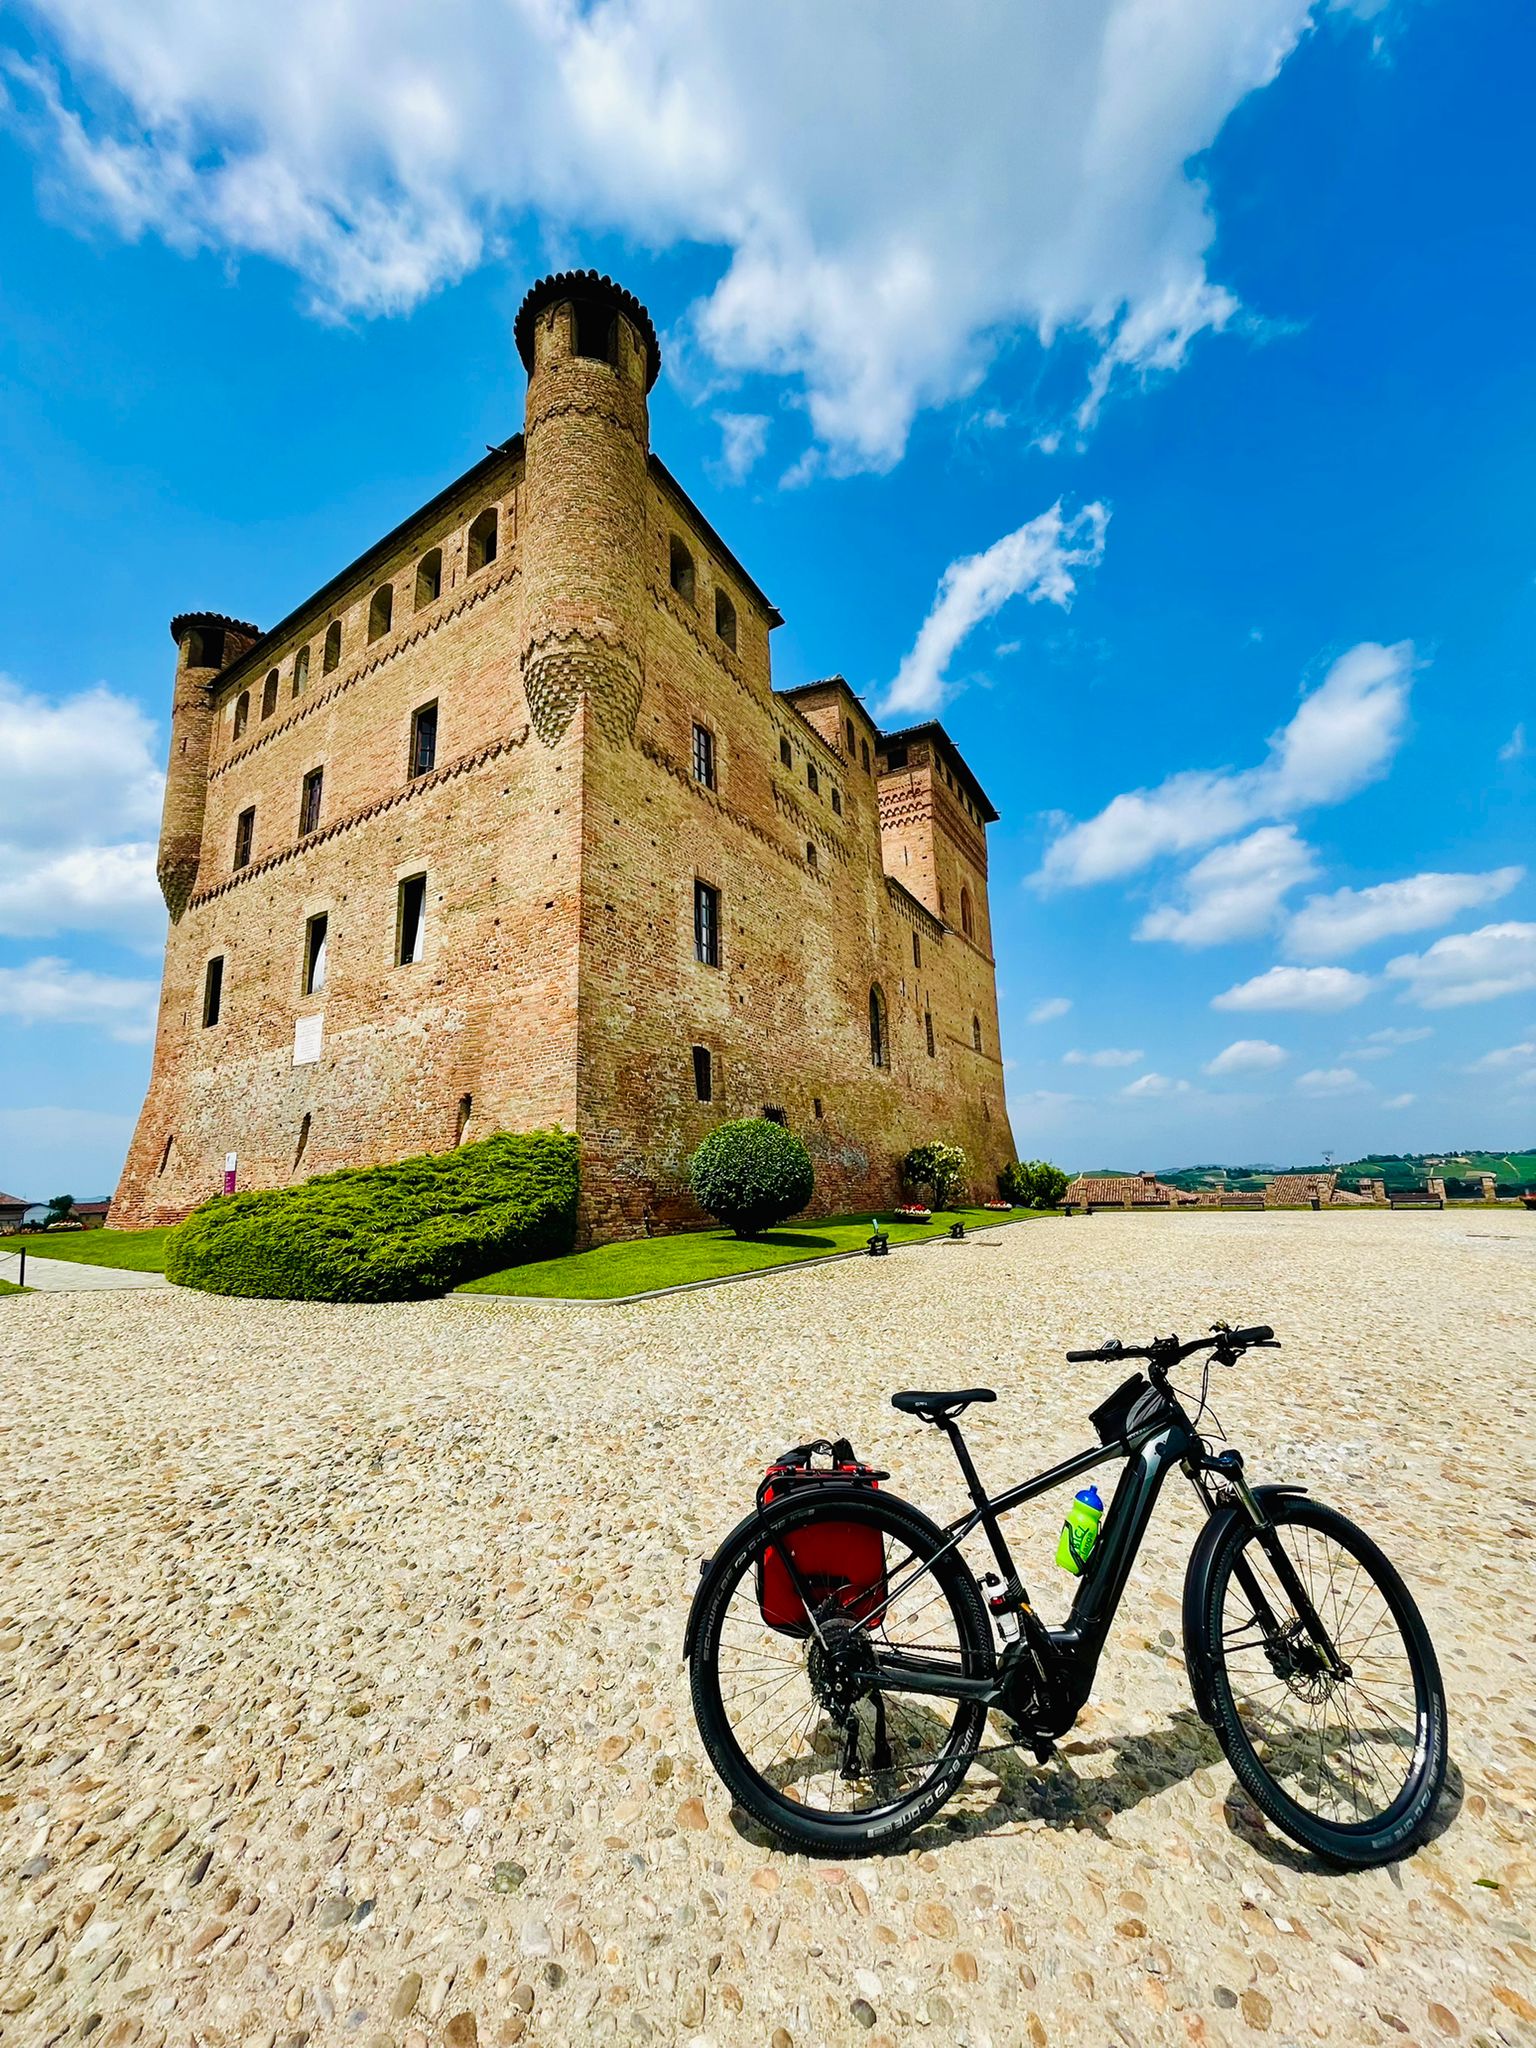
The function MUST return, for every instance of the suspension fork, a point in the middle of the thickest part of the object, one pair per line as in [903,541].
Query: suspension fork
[1229,1464]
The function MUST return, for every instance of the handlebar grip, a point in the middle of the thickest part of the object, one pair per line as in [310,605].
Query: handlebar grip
[1261,1333]
[1086,1357]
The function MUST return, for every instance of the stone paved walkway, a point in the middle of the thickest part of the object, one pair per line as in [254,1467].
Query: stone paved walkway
[71,1276]
[340,1692]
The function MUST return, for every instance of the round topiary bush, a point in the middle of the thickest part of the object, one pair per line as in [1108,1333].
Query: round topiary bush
[751,1173]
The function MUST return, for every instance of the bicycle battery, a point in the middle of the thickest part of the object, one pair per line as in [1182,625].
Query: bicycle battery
[836,1561]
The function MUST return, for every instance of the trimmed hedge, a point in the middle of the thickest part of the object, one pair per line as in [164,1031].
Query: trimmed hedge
[750,1173]
[386,1233]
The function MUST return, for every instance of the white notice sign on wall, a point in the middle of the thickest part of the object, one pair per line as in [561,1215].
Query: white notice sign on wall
[308,1037]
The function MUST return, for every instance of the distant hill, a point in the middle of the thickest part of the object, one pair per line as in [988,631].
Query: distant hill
[1512,1170]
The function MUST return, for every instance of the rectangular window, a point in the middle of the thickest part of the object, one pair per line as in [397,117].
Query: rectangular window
[706,924]
[928,1027]
[314,954]
[309,802]
[213,990]
[775,1116]
[812,779]
[917,950]
[245,831]
[704,756]
[411,921]
[837,801]
[423,740]
[703,1074]
[786,753]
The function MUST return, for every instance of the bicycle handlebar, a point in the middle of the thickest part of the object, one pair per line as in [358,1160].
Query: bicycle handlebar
[1168,1350]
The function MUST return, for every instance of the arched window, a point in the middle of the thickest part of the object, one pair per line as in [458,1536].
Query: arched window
[976,1033]
[482,540]
[269,694]
[429,577]
[332,655]
[680,569]
[300,671]
[725,619]
[205,647]
[242,713]
[810,855]
[965,911]
[381,611]
[849,724]
[879,1046]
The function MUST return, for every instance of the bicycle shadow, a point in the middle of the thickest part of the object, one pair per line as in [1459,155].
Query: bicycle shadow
[1059,1796]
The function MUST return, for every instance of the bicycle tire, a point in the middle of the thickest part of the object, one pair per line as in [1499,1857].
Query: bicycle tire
[1373,1839]
[796,1825]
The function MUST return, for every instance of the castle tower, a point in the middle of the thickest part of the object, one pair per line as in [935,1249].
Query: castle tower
[206,642]
[591,355]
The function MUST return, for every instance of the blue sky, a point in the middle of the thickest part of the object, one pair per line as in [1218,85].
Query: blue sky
[1149,395]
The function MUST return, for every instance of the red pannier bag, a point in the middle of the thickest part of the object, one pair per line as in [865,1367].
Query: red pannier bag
[844,1561]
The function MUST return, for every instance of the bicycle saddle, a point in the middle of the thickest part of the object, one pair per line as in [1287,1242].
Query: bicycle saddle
[940,1407]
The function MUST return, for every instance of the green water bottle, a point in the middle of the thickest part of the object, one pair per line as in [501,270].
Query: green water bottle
[1080,1531]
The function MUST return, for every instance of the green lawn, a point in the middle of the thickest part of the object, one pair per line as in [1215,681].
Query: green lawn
[640,1264]
[10,1287]
[136,1251]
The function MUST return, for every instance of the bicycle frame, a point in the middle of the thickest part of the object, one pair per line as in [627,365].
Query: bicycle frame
[1060,1663]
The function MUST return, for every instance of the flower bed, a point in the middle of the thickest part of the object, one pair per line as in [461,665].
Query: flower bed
[1003,1207]
[913,1212]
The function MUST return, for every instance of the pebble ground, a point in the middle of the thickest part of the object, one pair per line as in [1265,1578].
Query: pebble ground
[340,1692]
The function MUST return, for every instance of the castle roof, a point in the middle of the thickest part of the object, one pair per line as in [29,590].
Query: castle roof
[185,621]
[588,285]
[934,733]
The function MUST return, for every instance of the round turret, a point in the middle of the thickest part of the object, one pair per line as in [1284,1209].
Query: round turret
[591,353]
[206,643]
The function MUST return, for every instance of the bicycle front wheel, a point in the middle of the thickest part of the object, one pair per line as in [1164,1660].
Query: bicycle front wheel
[795,1719]
[1348,1761]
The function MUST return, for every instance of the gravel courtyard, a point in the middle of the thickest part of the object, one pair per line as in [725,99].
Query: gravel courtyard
[340,1692]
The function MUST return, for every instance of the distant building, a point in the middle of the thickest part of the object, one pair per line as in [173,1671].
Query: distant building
[12,1211]
[1125,1191]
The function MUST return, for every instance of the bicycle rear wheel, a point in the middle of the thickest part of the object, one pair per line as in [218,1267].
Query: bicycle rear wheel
[797,1725]
[1350,1763]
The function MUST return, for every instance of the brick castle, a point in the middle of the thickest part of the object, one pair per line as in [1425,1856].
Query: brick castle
[506,827]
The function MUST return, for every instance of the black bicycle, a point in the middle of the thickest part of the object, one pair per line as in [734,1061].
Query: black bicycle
[843,1658]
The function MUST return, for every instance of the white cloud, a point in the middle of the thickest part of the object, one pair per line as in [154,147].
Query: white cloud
[82,788]
[1514,748]
[1111,1056]
[1469,967]
[93,888]
[1399,1101]
[1035,561]
[1048,1010]
[743,437]
[1328,1081]
[1235,891]
[1297,988]
[1505,1056]
[1326,926]
[1380,1045]
[76,771]
[50,991]
[1155,1084]
[890,207]
[1343,737]
[1248,1056]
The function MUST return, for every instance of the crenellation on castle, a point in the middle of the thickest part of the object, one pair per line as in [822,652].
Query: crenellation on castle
[511,913]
